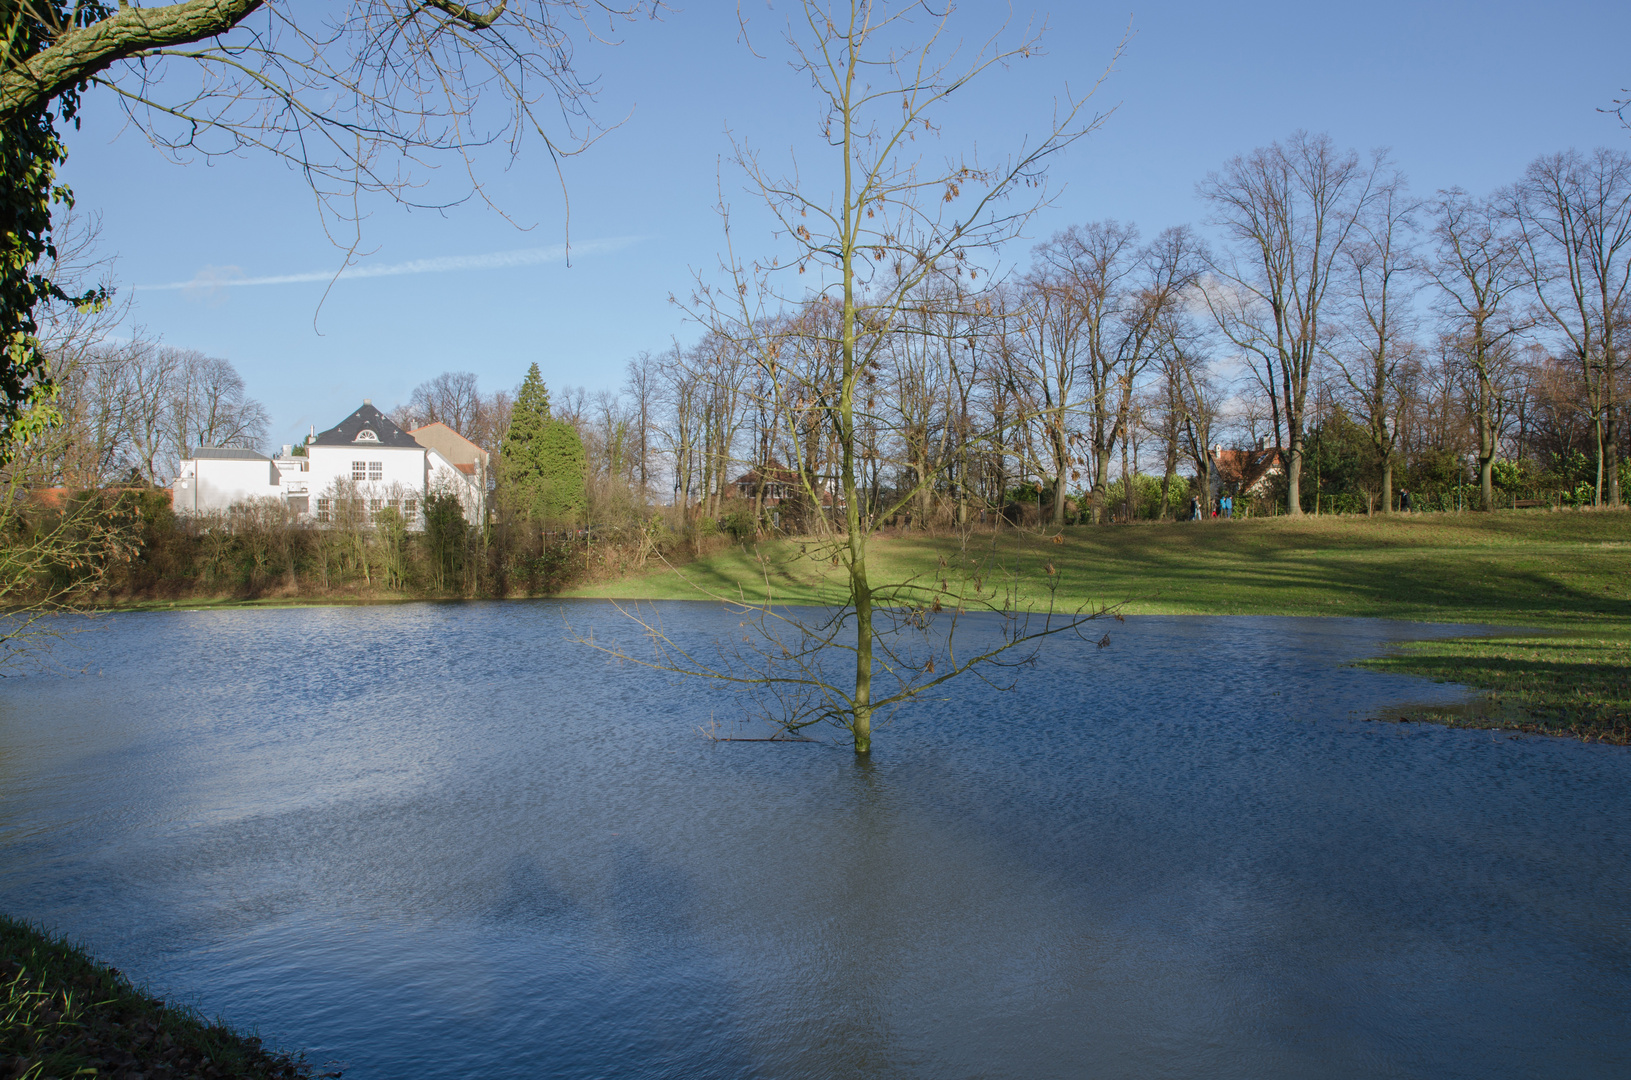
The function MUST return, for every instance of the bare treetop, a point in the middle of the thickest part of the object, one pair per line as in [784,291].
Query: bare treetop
[358,97]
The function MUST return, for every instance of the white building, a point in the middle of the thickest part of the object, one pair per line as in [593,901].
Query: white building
[362,465]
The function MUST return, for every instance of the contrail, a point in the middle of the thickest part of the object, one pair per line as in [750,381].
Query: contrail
[215,277]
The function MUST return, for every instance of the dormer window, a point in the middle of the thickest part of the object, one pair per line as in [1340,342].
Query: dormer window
[366,435]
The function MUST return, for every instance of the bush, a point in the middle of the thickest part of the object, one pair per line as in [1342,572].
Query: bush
[739,525]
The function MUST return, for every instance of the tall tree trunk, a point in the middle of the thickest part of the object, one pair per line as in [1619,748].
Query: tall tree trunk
[860,587]
[1101,480]
[1294,476]
[1061,465]
[1486,439]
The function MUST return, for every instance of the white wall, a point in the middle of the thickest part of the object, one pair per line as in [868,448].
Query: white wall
[207,485]
[387,472]
[444,477]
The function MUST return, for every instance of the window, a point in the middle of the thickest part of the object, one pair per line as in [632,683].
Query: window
[376,470]
[366,435]
[375,505]
[300,504]
[410,507]
[324,509]
[359,470]
[393,504]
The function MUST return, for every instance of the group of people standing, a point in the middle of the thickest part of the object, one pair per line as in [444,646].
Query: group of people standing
[1224,508]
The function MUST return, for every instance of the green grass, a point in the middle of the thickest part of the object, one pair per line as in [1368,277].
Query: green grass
[1561,580]
[66,1015]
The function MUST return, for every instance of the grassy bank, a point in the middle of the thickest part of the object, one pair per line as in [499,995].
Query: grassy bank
[65,1015]
[1567,575]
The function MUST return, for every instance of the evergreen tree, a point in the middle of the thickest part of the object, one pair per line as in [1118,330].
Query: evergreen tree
[520,466]
[563,466]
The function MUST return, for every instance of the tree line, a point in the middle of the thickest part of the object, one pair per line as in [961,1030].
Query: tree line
[1468,346]
[1453,343]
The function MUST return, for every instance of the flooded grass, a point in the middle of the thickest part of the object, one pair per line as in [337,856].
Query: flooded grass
[1563,578]
[63,1014]
[1545,685]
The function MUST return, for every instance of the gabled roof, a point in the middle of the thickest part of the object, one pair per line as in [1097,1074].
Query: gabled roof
[366,427]
[450,444]
[238,453]
[1248,468]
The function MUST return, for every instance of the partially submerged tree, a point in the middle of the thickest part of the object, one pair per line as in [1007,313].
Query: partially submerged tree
[860,254]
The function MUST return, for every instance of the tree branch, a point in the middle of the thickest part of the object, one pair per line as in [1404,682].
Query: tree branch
[76,55]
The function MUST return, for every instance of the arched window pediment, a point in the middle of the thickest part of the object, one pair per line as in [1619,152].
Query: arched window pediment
[366,435]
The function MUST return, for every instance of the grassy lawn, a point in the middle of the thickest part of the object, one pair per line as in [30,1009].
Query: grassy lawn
[63,1014]
[1565,575]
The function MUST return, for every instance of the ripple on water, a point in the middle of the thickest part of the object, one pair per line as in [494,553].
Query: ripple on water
[440,841]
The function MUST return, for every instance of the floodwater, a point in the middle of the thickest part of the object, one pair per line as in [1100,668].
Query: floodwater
[442,841]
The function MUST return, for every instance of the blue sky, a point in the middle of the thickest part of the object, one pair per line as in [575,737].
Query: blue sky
[1462,94]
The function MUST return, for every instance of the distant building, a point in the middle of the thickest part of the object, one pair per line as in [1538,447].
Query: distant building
[362,465]
[782,485]
[215,477]
[779,482]
[1246,472]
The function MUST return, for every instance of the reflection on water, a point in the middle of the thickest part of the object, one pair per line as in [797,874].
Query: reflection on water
[437,841]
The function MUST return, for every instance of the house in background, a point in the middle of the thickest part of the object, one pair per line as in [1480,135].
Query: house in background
[461,453]
[1246,472]
[778,480]
[215,477]
[362,465]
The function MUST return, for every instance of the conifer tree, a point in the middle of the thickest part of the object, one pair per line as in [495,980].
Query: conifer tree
[519,463]
[562,464]
[543,463]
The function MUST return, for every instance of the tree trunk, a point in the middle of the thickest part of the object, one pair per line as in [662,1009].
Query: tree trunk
[1294,476]
[1611,427]
[1486,441]
[862,594]
[1602,459]
[1127,482]
[1101,480]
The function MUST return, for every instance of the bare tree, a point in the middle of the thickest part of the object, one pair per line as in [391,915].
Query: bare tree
[640,384]
[1573,216]
[352,97]
[890,223]
[1052,333]
[1479,270]
[209,405]
[1201,398]
[452,398]
[86,444]
[1289,211]
[361,98]
[1377,344]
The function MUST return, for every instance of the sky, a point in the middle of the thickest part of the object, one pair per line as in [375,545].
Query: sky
[231,258]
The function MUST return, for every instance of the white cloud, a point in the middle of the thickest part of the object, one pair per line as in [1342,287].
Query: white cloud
[211,279]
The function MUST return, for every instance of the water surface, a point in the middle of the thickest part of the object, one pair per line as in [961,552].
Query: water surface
[441,841]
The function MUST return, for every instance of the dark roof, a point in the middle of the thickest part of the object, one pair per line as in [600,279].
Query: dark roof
[366,418]
[774,473]
[236,452]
